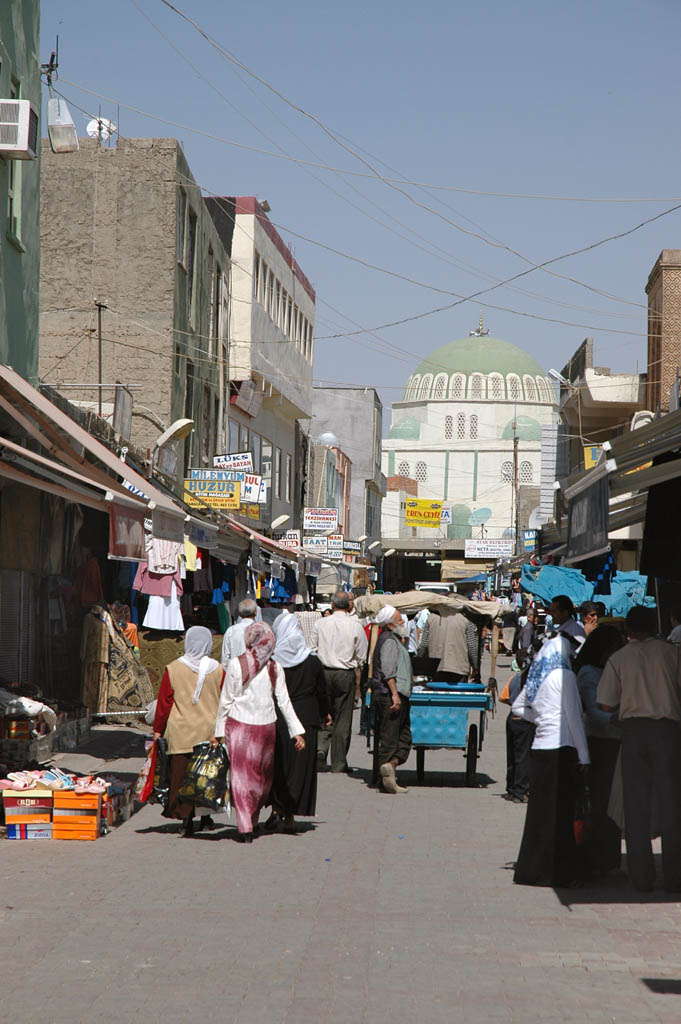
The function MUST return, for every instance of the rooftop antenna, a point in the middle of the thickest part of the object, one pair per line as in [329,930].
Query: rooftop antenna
[100,128]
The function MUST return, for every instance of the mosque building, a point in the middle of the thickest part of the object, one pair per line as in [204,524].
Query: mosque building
[472,411]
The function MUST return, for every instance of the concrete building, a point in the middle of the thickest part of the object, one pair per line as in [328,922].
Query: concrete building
[664,328]
[595,406]
[127,226]
[271,351]
[19,194]
[330,482]
[355,417]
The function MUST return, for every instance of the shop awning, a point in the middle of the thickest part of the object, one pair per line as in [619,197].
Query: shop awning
[64,438]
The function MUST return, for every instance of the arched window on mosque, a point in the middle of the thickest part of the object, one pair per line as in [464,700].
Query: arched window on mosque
[495,388]
[507,472]
[461,426]
[440,385]
[424,390]
[525,473]
[449,428]
[514,389]
[421,472]
[530,388]
[541,390]
[414,388]
[473,427]
[457,385]
[475,387]
[403,469]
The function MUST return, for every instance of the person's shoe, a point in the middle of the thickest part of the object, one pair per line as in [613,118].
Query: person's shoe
[245,837]
[206,823]
[388,779]
[272,823]
[187,828]
[512,798]
[289,823]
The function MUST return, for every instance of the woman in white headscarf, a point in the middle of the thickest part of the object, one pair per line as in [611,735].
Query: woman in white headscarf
[550,698]
[185,714]
[294,788]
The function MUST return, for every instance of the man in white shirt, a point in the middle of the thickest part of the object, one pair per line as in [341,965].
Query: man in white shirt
[342,650]
[233,643]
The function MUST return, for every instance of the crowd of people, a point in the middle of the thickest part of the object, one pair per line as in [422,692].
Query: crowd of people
[594,747]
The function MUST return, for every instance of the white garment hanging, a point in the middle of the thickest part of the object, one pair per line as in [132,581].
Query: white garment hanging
[164,612]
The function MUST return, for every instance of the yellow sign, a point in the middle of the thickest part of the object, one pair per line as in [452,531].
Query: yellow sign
[225,494]
[592,453]
[422,512]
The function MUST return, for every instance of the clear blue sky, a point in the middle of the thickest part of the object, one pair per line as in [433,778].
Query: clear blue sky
[533,98]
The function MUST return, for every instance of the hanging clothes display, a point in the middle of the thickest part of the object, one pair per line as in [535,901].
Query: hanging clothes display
[164,555]
[164,612]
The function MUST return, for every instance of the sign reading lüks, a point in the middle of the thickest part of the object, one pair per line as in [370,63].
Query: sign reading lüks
[237,460]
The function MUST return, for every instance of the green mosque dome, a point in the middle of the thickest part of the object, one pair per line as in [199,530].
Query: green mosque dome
[526,429]
[406,430]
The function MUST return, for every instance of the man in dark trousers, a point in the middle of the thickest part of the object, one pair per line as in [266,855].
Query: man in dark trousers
[643,682]
[391,685]
[519,737]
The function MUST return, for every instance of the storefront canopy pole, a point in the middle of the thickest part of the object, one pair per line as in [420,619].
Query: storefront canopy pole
[51,488]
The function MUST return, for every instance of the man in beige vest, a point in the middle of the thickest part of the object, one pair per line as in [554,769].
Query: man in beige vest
[455,641]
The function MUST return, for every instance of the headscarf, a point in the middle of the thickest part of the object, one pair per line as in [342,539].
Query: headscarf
[554,654]
[291,648]
[259,640]
[198,642]
[385,615]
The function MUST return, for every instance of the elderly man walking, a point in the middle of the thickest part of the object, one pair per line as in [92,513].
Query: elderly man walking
[342,650]
[233,644]
[643,681]
[391,685]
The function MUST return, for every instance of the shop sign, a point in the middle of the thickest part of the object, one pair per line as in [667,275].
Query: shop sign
[320,519]
[352,547]
[446,517]
[423,512]
[489,549]
[239,460]
[201,536]
[134,490]
[587,531]
[592,453]
[251,483]
[316,545]
[254,512]
[335,545]
[225,494]
[289,539]
[126,533]
[529,540]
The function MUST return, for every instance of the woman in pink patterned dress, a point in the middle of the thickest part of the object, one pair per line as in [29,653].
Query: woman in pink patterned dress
[246,718]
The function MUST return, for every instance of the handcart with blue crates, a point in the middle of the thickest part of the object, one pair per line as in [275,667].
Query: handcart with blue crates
[443,715]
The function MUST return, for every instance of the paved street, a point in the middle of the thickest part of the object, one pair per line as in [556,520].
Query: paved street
[385,909]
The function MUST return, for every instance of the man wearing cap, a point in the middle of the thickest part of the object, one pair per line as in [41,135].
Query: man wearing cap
[342,650]
[391,684]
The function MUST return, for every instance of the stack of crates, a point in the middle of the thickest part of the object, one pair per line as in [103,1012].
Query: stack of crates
[76,815]
[28,814]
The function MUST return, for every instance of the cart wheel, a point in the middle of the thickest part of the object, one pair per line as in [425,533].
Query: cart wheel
[471,755]
[420,763]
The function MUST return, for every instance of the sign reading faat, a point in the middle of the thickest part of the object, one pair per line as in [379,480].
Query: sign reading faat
[320,519]
[237,460]
[422,512]
[488,548]
[251,483]
[446,517]
[225,494]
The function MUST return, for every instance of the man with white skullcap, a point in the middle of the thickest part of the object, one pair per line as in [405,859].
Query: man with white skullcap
[391,685]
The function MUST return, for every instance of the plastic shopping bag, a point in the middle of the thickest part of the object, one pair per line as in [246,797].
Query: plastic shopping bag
[145,779]
[206,778]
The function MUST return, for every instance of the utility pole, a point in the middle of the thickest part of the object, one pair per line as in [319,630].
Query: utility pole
[100,304]
[515,490]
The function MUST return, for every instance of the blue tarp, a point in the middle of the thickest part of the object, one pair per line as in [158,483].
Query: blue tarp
[545,582]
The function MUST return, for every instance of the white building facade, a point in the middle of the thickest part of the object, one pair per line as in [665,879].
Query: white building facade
[453,433]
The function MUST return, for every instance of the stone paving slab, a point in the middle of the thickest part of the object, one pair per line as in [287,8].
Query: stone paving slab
[385,909]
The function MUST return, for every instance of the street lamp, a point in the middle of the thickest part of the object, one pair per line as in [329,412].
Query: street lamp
[177,431]
[376,544]
[279,521]
[365,536]
[390,551]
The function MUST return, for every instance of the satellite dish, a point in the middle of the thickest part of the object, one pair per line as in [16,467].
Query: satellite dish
[479,517]
[100,128]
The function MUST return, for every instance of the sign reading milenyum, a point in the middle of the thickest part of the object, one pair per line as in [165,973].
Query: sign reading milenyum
[225,494]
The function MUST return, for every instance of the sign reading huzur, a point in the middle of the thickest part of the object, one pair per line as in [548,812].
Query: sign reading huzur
[225,494]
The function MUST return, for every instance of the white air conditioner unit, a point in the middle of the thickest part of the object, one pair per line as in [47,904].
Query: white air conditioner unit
[18,130]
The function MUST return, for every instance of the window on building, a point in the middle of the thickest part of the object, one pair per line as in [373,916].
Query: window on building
[266,469]
[217,306]
[233,439]
[289,477]
[189,412]
[206,408]
[456,386]
[403,469]
[243,438]
[277,472]
[440,385]
[461,426]
[14,172]
[191,259]
[424,390]
[289,316]
[525,473]
[181,222]
[476,386]
[256,277]
[270,294]
[310,344]
[541,390]
[294,330]
[277,302]
[449,428]
[421,472]
[507,472]
[264,272]
[514,391]
[282,310]
[530,388]
[473,426]
[496,386]
[414,388]
[255,451]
